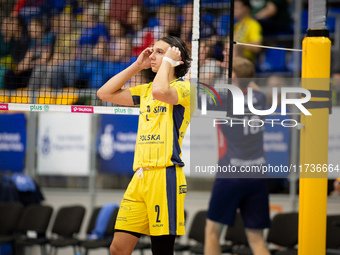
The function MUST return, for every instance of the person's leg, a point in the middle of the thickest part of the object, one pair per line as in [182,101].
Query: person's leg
[223,205]
[212,238]
[257,242]
[163,245]
[123,243]
[255,214]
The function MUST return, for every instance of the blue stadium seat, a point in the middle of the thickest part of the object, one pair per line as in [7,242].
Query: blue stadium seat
[215,4]
[152,22]
[331,19]
[154,4]
[180,3]
[208,18]
[222,26]
[304,21]
[272,60]
[291,61]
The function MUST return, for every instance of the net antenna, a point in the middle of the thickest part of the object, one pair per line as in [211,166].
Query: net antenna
[195,40]
[231,50]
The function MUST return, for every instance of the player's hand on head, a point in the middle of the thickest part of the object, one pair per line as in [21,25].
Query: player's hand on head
[143,59]
[175,54]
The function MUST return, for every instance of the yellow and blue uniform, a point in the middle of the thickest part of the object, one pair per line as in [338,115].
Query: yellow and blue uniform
[154,201]
[248,30]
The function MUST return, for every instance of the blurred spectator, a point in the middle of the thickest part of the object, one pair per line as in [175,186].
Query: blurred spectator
[20,39]
[39,52]
[141,36]
[168,23]
[64,50]
[117,31]
[99,70]
[273,15]
[125,54]
[186,26]
[119,8]
[6,8]
[6,45]
[209,64]
[92,35]
[246,29]
[237,52]
[29,7]
[207,28]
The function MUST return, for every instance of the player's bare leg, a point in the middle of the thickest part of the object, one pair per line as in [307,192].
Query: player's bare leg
[123,243]
[257,242]
[212,238]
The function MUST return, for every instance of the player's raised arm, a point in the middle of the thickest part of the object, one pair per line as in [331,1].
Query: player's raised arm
[112,90]
[161,89]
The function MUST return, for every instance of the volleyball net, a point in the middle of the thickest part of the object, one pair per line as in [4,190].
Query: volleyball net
[55,55]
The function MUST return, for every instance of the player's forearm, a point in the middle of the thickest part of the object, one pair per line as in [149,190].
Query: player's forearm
[160,85]
[269,11]
[117,81]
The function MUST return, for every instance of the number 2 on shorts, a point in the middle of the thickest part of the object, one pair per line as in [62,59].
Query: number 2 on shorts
[157,211]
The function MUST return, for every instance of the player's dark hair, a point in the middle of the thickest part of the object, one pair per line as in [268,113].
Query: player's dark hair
[180,70]
[245,3]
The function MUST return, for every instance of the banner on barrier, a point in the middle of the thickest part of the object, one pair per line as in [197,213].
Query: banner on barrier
[116,143]
[12,142]
[64,144]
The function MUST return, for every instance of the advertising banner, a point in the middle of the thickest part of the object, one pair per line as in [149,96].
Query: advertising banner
[64,144]
[116,143]
[12,142]
[276,144]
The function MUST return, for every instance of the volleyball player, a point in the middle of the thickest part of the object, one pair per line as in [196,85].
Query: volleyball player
[153,203]
[245,192]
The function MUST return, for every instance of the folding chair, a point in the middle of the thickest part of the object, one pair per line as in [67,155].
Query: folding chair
[284,232]
[196,233]
[9,217]
[66,226]
[104,242]
[32,227]
[236,236]
[332,235]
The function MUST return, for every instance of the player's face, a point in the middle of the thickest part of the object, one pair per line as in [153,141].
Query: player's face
[159,50]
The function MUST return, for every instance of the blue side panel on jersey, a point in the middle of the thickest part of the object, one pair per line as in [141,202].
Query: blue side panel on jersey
[178,117]
[136,100]
[171,188]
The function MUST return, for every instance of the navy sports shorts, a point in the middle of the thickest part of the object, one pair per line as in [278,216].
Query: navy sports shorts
[248,195]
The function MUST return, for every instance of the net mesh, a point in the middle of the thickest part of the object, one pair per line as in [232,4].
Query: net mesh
[59,52]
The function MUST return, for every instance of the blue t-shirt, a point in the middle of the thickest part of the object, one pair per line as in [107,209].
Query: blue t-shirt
[244,142]
[91,35]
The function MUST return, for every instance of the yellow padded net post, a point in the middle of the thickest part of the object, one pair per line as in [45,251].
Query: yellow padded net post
[314,146]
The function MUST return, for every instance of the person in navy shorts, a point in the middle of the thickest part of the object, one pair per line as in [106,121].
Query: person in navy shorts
[243,192]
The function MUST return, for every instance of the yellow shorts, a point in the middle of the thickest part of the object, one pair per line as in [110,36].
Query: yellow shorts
[153,203]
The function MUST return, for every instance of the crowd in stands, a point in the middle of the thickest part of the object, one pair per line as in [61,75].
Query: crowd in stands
[69,43]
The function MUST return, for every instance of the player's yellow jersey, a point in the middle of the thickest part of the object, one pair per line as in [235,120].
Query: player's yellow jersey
[248,30]
[161,126]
